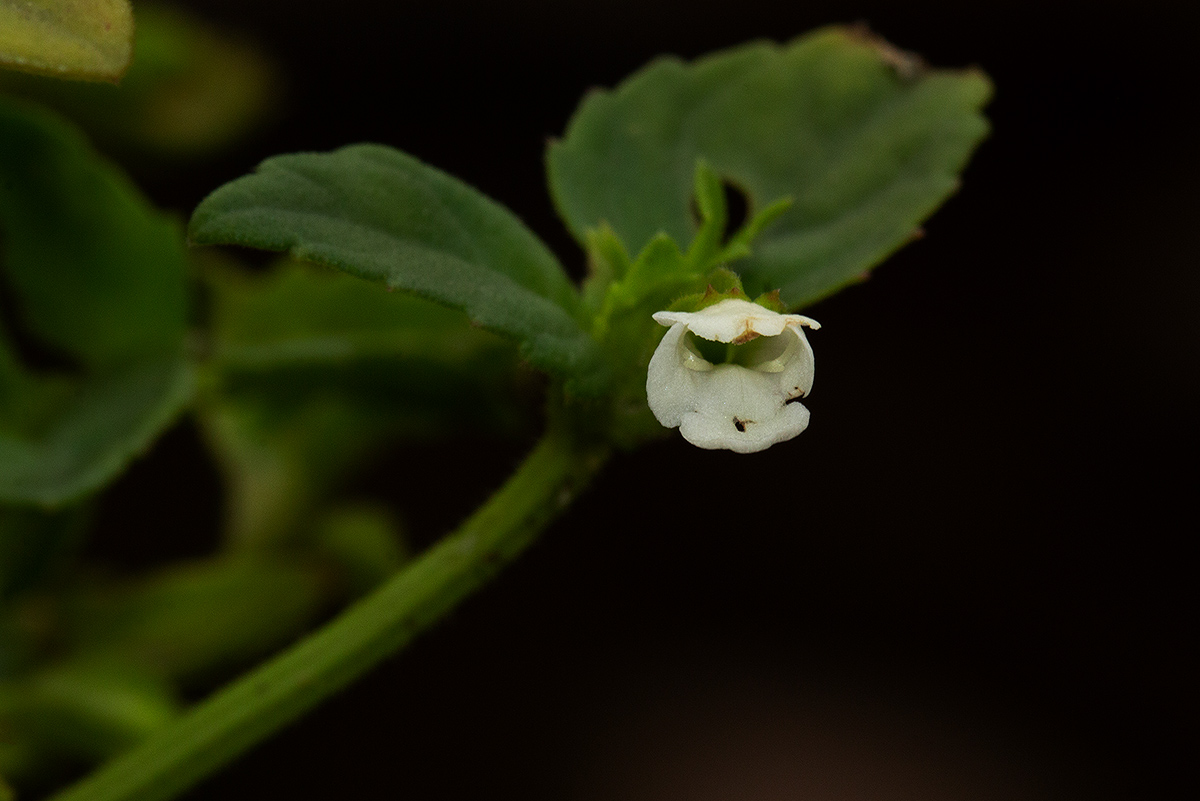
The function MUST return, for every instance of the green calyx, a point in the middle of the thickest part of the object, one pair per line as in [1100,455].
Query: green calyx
[725,284]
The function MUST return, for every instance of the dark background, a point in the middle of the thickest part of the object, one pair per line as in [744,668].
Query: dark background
[967,579]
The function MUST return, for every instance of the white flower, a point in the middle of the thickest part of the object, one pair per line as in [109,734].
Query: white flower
[747,405]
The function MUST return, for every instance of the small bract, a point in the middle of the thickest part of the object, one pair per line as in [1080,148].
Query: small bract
[748,403]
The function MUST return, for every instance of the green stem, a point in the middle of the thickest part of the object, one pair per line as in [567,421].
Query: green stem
[254,706]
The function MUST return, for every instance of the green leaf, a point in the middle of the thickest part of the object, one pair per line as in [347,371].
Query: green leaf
[97,276]
[89,39]
[254,706]
[865,141]
[382,215]
[190,89]
[87,709]
[608,261]
[709,248]
[91,439]
[189,621]
[738,246]
[33,543]
[659,274]
[366,541]
[710,202]
[316,370]
[98,273]
[298,313]
[662,276]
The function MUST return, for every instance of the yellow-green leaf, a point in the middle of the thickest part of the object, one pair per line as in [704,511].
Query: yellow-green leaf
[87,39]
[192,89]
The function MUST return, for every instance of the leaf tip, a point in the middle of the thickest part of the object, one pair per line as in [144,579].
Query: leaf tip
[986,87]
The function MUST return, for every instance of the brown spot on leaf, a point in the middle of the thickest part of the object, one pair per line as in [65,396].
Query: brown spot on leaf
[908,66]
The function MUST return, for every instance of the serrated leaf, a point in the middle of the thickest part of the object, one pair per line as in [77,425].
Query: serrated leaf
[865,142]
[384,216]
[88,39]
[96,275]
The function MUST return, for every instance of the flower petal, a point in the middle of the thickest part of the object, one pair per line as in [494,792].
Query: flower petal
[741,411]
[670,385]
[746,405]
[735,320]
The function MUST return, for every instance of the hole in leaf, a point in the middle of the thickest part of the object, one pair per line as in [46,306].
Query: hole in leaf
[737,206]
[737,209]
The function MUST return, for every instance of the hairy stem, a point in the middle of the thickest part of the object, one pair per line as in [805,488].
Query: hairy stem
[259,703]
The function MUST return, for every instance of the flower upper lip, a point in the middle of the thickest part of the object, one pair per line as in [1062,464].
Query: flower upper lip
[736,321]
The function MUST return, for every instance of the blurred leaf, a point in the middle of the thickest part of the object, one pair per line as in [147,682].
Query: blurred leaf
[366,542]
[659,274]
[27,401]
[97,276]
[88,39]
[709,196]
[92,438]
[280,460]
[607,262]
[316,370]
[864,139]
[96,270]
[382,215]
[191,89]
[32,543]
[87,709]
[299,313]
[18,756]
[189,621]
